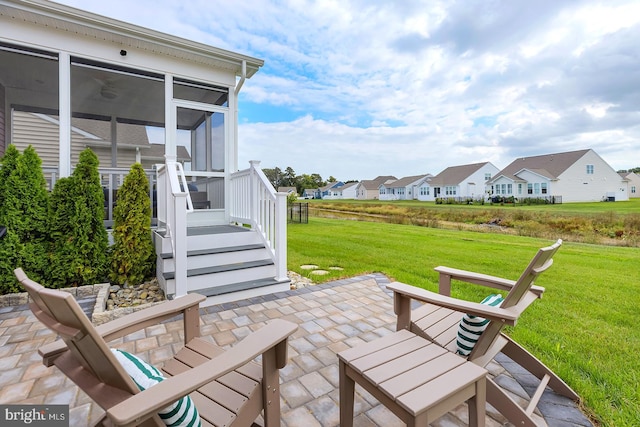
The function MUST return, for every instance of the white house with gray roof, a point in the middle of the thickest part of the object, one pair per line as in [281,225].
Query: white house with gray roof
[401,189]
[574,176]
[346,191]
[458,182]
[369,189]
[633,184]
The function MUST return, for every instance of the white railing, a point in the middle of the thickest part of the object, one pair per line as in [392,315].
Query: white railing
[172,216]
[111,179]
[255,202]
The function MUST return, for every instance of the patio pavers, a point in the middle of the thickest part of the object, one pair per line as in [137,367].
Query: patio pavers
[331,317]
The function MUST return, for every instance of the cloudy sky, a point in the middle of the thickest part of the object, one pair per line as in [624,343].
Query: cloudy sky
[359,88]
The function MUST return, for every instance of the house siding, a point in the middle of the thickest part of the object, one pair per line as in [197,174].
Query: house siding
[575,185]
[633,185]
[31,129]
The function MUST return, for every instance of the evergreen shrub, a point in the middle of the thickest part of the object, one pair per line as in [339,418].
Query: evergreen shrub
[133,254]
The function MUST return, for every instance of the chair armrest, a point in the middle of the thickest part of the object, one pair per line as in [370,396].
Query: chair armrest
[447,274]
[146,403]
[403,294]
[136,321]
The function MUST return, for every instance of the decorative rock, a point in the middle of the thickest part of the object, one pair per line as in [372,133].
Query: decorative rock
[134,296]
[319,272]
[298,281]
[308,267]
[336,268]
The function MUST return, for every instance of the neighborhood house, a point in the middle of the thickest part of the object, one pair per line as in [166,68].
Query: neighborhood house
[575,176]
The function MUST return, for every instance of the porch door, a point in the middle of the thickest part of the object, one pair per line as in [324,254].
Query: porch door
[202,131]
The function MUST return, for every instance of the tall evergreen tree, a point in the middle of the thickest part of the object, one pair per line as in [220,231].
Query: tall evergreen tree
[133,255]
[9,244]
[25,214]
[8,164]
[79,240]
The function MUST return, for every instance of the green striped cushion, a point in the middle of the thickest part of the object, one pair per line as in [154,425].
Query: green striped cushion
[181,413]
[471,327]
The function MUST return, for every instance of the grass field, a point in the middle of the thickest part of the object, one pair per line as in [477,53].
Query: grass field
[615,223]
[585,327]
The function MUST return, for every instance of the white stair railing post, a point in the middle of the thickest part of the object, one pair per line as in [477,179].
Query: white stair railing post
[253,194]
[180,243]
[281,236]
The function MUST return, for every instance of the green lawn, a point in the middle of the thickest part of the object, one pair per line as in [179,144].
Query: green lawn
[584,328]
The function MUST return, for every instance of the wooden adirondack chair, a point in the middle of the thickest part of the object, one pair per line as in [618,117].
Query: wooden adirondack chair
[438,321]
[227,386]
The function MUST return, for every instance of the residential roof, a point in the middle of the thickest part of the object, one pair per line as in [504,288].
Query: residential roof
[329,186]
[454,175]
[156,152]
[131,135]
[346,186]
[287,190]
[548,165]
[403,182]
[374,184]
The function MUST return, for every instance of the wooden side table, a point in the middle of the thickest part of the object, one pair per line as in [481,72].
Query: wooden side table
[415,379]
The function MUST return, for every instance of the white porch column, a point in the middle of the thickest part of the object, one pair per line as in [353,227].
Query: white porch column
[64,86]
[170,121]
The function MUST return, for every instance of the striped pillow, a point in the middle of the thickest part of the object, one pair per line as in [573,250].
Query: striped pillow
[181,413]
[471,327]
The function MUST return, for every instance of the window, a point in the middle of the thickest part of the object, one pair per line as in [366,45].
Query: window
[529,188]
[450,190]
[589,169]
[519,188]
[504,188]
[543,187]
[509,189]
[536,188]
[633,189]
[487,176]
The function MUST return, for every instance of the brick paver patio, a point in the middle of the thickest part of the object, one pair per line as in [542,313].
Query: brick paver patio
[331,317]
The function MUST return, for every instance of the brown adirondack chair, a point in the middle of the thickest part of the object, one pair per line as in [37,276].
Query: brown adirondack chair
[228,387]
[438,321]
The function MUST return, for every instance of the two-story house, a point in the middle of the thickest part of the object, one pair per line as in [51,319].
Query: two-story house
[574,176]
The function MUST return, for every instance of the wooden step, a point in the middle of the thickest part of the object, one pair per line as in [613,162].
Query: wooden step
[212,251]
[237,287]
[220,268]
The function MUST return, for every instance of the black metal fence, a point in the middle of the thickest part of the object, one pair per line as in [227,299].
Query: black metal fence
[299,212]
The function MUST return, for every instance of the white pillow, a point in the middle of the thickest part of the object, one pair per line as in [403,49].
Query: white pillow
[471,327]
[181,413]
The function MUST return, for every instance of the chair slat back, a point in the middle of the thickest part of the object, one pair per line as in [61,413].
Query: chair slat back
[61,313]
[540,263]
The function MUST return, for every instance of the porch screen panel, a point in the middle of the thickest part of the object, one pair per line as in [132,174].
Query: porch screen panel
[217,142]
[29,99]
[118,112]
[3,145]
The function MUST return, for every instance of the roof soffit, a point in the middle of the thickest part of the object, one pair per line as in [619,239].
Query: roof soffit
[76,21]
